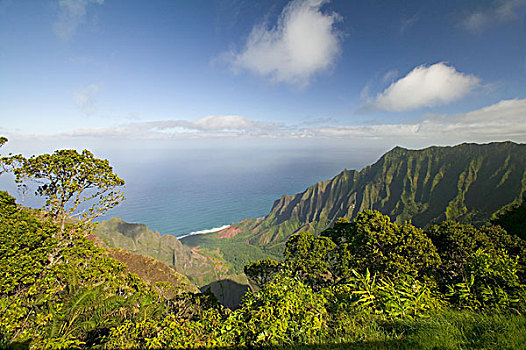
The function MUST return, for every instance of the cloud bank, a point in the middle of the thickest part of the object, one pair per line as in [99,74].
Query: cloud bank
[303,42]
[425,87]
[501,121]
[209,126]
[72,13]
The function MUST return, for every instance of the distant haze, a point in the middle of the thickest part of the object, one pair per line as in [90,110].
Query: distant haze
[179,191]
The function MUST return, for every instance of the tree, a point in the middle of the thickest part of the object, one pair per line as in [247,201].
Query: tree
[262,272]
[7,164]
[491,281]
[310,258]
[61,294]
[284,311]
[68,179]
[3,141]
[457,243]
[371,241]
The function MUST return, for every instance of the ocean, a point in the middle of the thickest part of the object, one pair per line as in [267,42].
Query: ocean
[195,191]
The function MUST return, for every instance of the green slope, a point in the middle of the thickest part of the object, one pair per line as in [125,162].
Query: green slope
[200,265]
[467,183]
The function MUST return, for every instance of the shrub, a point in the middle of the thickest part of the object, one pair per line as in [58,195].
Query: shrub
[371,241]
[284,311]
[491,283]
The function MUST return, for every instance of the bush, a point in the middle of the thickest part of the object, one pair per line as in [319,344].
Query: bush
[57,292]
[405,297]
[284,311]
[491,283]
[371,241]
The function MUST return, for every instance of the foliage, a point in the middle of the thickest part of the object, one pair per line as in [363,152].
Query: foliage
[491,283]
[457,244]
[61,293]
[262,272]
[309,258]
[194,305]
[400,298]
[171,332]
[67,179]
[371,241]
[4,161]
[284,311]
[193,321]
[368,282]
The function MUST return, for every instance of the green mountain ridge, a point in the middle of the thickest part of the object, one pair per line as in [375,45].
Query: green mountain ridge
[467,183]
[148,269]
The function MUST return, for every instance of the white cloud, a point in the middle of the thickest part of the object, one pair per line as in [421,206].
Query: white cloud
[303,43]
[209,126]
[390,76]
[216,124]
[72,13]
[501,12]
[86,99]
[229,123]
[425,87]
[501,121]
[498,122]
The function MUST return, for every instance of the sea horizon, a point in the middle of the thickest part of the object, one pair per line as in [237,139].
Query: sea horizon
[202,191]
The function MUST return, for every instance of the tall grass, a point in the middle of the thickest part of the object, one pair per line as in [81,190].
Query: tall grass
[465,330]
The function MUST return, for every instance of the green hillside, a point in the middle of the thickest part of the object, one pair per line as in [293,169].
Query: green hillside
[214,263]
[201,265]
[369,283]
[467,183]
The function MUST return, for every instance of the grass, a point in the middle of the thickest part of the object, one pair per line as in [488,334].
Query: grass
[469,330]
[449,330]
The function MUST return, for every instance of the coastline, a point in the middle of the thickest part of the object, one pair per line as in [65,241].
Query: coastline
[202,232]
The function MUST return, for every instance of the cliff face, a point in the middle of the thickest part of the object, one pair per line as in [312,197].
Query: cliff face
[467,183]
[147,268]
[200,267]
[152,271]
[140,239]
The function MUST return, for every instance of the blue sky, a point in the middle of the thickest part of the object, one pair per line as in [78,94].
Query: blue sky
[115,73]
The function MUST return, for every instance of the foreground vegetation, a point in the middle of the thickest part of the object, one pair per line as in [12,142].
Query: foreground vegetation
[358,284]
[369,283]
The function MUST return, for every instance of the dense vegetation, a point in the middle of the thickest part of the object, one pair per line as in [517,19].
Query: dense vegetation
[59,290]
[365,282]
[466,183]
[369,281]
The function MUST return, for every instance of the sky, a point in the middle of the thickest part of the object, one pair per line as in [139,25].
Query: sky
[130,74]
